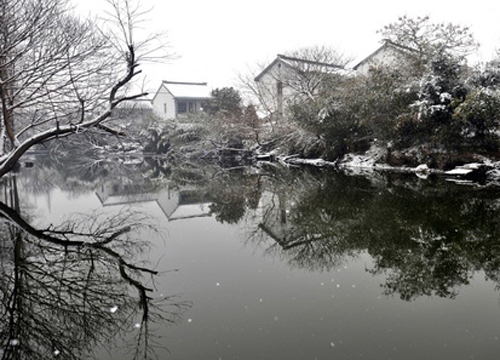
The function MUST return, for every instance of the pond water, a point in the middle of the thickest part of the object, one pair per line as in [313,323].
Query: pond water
[253,263]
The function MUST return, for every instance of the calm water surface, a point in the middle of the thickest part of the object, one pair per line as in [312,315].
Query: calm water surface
[269,263]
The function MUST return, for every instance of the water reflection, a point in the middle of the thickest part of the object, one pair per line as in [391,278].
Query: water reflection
[421,240]
[69,289]
[427,237]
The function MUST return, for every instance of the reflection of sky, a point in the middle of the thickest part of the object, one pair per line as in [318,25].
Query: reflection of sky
[55,205]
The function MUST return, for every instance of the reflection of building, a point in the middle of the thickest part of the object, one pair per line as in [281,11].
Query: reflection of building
[184,204]
[177,98]
[175,204]
[114,193]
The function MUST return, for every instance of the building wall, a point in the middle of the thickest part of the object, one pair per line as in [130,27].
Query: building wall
[387,56]
[164,104]
[274,90]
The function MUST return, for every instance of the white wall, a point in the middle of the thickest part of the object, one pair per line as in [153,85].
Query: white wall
[164,104]
[268,87]
[387,56]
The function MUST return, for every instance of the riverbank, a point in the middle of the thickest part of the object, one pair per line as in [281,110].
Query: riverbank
[481,171]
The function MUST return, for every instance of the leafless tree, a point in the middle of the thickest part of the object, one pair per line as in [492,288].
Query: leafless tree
[314,67]
[60,75]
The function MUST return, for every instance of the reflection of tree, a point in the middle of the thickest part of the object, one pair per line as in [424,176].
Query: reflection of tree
[425,242]
[79,174]
[306,222]
[426,239]
[69,289]
[434,242]
[232,193]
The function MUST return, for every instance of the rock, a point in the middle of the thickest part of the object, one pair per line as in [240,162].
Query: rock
[422,171]
[473,172]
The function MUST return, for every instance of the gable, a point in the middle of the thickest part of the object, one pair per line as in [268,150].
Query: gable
[276,63]
[160,90]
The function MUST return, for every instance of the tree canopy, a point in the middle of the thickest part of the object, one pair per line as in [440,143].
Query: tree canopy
[226,100]
[430,38]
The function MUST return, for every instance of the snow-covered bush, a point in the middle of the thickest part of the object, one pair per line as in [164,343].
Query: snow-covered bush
[441,89]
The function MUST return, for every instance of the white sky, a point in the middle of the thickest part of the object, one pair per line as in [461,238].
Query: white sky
[217,39]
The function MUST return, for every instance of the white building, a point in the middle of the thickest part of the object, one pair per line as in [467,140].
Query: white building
[288,77]
[389,54]
[175,98]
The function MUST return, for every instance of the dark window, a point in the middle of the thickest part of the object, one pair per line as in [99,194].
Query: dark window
[181,107]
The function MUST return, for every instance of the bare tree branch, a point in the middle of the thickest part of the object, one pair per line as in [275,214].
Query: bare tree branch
[60,74]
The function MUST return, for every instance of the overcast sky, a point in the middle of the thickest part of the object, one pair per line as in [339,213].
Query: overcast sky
[217,39]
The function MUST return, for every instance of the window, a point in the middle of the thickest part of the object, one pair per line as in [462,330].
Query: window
[279,88]
[165,108]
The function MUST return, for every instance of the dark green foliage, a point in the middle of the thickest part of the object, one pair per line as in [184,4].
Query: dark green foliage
[332,117]
[224,101]
[441,90]
[478,118]
[384,98]
[442,108]
[347,116]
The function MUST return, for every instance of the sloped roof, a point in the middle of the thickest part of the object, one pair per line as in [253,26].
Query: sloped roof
[293,62]
[385,45]
[190,90]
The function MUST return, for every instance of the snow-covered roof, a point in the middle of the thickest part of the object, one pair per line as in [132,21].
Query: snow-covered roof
[197,90]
